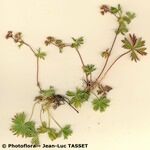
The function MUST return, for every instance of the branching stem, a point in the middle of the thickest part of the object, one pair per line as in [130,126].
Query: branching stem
[107,59]
[30,47]
[118,58]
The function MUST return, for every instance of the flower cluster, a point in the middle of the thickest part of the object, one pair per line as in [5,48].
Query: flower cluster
[104,9]
[57,42]
[16,36]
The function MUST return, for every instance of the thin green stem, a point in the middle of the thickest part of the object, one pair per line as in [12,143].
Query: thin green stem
[83,64]
[116,16]
[37,75]
[30,47]
[94,94]
[91,78]
[32,111]
[41,114]
[56,122]
[80,57]
[49,117]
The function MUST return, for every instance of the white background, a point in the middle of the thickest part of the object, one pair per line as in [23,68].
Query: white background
[126,123]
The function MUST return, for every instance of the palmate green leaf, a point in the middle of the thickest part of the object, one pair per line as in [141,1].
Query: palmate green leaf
[124,20]
[77,102]
[122,27]
[77,42]
[40,54]
[43,128]
[70,93]
[53,134]
[21,127]
[29,128]
[78,97]
[115,10]
[66,131]
[130,15]
[19,118]
[88,69]
[35,140]
[100,103]
[135,45]
[48,92]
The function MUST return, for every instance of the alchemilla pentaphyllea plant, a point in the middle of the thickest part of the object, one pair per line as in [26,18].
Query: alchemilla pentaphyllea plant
[49,100]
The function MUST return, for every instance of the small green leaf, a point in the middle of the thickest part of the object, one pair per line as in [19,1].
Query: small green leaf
[114,10]
[88,69]
[40,54]
[20,45]
[77,102]
[35,140]
[124,20]
[42,129]
[130,15]
[78,97]
[128,20]
[123,28]
[19,118]
[70,93]
[53,134]
[119,8]
[100,103]
[77,42]
[66,131]
[49,92]
[29,128]
[105,54]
